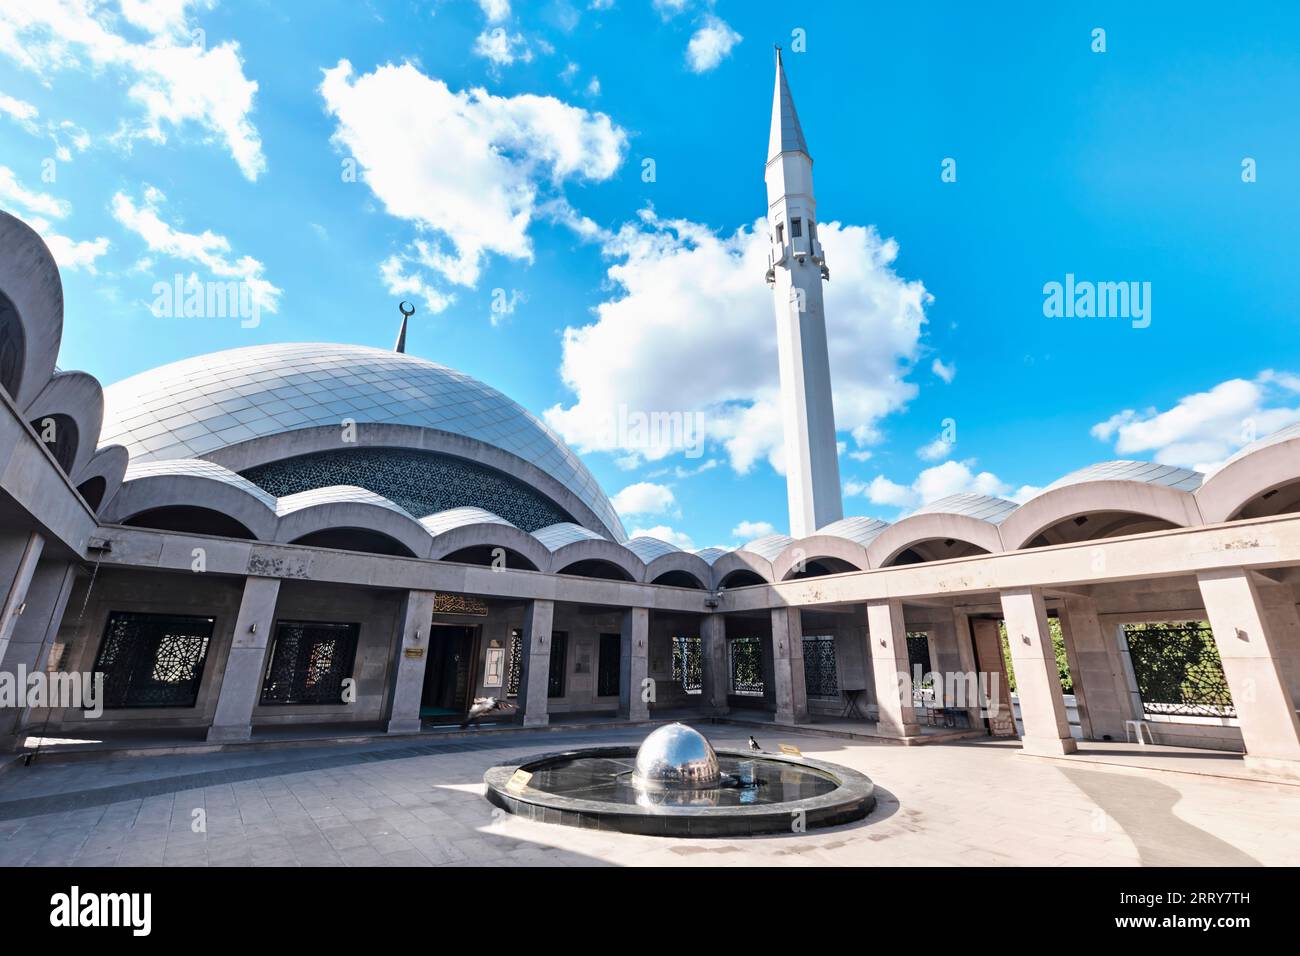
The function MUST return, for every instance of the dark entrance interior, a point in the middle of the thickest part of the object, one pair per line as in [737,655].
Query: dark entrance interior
[449,674]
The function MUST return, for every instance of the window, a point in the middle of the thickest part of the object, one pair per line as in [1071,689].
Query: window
[309,662]
[812,229]
[746,655]
[516,662]
[821,679]
[559,655]
[608,665]
[796,228]
[1178,670]
[918,664]
[688,672]
[780,233]
[153,660]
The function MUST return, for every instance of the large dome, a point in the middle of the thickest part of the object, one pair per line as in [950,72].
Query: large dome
[196,407]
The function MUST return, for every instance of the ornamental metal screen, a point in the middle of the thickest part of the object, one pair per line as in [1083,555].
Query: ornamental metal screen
[918,655]
[153,660]
[746,655]
[820,677]
[918,651]
[309,662]
[688,664]
[1178,670]
[516,665]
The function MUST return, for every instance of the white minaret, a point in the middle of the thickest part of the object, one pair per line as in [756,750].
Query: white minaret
[795,271]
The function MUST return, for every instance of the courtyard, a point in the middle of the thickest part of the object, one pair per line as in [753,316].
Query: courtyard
[417,801]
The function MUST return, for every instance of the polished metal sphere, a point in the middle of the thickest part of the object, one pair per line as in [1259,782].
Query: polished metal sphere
[676,757]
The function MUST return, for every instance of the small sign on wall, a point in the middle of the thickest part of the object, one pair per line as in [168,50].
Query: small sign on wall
[413,652]
[494,667]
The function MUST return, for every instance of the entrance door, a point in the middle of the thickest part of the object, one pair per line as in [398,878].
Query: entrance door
[449,674]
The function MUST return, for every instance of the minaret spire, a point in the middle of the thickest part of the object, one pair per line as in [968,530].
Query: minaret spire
[407,311]
[796,269]
[787,134]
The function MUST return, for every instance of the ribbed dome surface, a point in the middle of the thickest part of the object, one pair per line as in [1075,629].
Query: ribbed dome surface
[193,407]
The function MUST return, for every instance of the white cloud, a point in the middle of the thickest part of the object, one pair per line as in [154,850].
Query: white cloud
[43,204]
[644,498]
[935,450]
[711,44]
[35,207]
[593,88]
[940,481]
[20,111]
[670,8]
[686,298]
[1024,493]
[172,78]
[665,533]
[501,48]
[945,372]
[495,10]
[471,167]
[957,477]
[72,254]
[753,530]
[161,16]
[400,282]
[881,491]
[1202,429]
[208,249]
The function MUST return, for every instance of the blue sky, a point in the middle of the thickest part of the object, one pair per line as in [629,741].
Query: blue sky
[142,150]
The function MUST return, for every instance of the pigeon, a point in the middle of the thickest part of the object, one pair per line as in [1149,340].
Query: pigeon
[753,745]
[482,707]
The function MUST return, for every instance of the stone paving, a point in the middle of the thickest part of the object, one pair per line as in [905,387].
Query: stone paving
[411,803]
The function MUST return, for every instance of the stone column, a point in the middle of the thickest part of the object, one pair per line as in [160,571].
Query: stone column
[1280,611]
[634,664]
[241,681]
[713,665]
[536,652]
[787,666]
[18,563]
[1038,681]
[1100,684]
[412,657]
[887,634]
[1250,632]
[34,634]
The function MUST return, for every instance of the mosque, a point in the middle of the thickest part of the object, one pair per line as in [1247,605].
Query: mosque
[298,537]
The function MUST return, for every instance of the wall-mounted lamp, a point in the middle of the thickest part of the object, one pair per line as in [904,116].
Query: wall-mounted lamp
[252,628]
[22,607]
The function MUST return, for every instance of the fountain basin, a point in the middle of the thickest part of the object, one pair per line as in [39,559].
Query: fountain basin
[595,788]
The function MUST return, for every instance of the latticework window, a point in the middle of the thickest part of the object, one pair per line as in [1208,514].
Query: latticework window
[1178,669]
[688,664]
[746,655]
[516,665]
[309,663]
[821,679]
[153,660]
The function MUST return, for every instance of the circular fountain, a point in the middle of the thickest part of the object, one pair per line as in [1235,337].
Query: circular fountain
[676,784]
